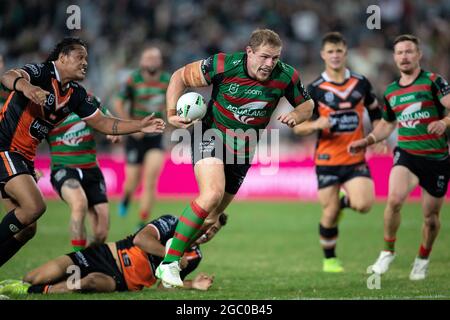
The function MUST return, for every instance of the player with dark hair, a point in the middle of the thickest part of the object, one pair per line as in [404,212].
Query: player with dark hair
[247,87]
[125,265]
[341,98]
[144,91]
[415,104]
[44,94]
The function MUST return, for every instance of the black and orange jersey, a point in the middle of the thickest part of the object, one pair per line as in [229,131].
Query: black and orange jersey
[139,267]
[24,124]
[344,104]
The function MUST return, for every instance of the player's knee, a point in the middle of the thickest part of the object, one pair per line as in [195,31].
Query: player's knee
[212,199]
[395,201]
[79,207]
[362,207]
[34,210]
[89,283]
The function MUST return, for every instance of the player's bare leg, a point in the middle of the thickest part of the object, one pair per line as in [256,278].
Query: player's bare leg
[328,227]
[401,182]
[73,193]
[210,177]
[93,282]
[50,272]
[431,207]
[361,194]
[99,218]
[153,162]
[132,179]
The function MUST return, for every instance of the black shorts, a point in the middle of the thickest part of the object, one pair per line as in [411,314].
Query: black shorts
[331,175]
[235,169]
[137,148]
[91,180]
[13,164]
[433,174]
[99,259]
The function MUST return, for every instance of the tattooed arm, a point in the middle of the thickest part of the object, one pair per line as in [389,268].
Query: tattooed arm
[117,126]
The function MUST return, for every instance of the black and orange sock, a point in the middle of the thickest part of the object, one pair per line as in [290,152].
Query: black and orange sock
[38,288]
[8,249]
[9,226]
[328,239]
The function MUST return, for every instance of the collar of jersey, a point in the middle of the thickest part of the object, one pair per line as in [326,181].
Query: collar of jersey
[58,78]
[328,79]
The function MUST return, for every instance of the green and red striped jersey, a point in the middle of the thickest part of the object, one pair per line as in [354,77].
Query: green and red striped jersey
[72,142]
[241,102]
[145,97]
[414,107]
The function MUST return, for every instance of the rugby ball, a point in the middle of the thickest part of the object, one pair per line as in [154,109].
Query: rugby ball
[192,106]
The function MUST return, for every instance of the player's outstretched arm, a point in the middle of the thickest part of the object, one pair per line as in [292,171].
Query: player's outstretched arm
[308,127]
[147,240]
[300,114]
[116,126]
[19,80]
[381,132]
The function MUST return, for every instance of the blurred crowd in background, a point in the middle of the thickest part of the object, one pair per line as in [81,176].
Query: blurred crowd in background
[187,30]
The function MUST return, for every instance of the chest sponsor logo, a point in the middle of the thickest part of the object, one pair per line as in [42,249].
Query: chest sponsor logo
[344,121]
[39,129]
[406,98]
[411,116]
[75,135]
[249,111]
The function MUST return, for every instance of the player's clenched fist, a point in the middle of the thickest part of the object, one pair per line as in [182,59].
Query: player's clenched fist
[357,146]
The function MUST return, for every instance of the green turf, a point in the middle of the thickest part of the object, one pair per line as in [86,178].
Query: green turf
[270,250]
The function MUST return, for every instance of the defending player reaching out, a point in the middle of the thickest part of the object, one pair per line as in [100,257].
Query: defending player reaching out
[43,95]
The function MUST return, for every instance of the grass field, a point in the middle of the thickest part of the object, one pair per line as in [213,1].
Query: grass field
[270,250]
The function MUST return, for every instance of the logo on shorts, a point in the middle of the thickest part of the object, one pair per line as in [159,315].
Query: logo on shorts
[102,187]
[61,173]
[396,157]
[441,182]
[324,179]
[132,156]
[13,228]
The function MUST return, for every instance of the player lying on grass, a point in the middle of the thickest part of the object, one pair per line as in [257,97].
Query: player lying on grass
[125,265]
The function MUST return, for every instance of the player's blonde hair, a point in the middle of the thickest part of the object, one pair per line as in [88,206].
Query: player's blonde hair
[261,37]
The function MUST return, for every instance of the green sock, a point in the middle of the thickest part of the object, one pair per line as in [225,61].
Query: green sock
[187,228]
[389,245]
